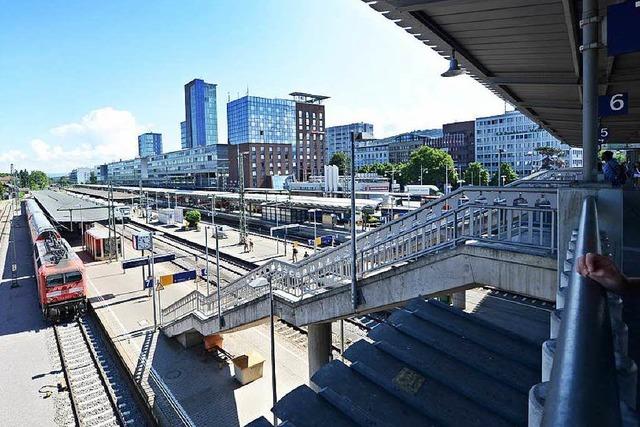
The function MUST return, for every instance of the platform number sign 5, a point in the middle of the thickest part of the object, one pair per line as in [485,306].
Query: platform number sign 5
[616,104]
[604,134]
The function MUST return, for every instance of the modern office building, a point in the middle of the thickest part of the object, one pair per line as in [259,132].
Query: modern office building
[200,167]
[201,117]
[460,139]
[80,176]
[309,149]
[401,146]
[260,163]
[518,137]
[370,152]
[338,138]
[149,144]
[253,120]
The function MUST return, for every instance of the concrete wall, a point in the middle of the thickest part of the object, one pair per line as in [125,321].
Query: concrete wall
[453,270]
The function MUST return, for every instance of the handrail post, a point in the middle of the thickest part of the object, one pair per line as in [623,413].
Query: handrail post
[583,389]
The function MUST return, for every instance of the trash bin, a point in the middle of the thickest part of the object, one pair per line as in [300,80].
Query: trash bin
[248,367]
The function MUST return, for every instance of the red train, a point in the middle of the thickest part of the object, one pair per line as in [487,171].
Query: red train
[59,271]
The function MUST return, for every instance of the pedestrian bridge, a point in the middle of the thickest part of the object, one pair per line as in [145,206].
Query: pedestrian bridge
[496,236]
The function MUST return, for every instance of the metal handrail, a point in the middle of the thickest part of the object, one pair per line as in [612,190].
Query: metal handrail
[430,229]
[583,389]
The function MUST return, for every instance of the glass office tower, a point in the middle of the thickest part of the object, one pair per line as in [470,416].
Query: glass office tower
[252,119]
[149,144]
[201,124]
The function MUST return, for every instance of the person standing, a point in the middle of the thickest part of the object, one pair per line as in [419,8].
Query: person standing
[635,173]
[613,171]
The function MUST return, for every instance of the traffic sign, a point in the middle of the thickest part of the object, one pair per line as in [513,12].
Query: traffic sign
[616,104]
[623,28]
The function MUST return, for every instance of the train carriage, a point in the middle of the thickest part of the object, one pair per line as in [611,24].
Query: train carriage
[60,273]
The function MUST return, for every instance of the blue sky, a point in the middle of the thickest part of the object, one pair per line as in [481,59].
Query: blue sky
[79,79]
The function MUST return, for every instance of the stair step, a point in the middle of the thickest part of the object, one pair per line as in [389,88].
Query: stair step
[302,407]
[423,392]
[367,396]
[499,367]
[480,332]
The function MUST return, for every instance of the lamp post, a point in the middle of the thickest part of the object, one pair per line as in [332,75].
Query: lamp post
[206,256]
[500,151]
[315,234]
[258,283]
[360,136]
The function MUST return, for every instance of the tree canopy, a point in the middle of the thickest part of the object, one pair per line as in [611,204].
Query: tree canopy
[506,171]
[341,160]
[476,174]
[433,163]
[93,179]
[38,180]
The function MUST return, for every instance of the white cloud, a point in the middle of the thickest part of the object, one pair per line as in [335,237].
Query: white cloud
[103,135]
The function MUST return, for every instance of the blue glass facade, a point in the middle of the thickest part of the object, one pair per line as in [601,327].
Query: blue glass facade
[252,119]
[201,124]
[149,144]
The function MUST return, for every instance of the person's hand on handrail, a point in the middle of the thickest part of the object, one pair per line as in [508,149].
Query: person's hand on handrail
[603,270]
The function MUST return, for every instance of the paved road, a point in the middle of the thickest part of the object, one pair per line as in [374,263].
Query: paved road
[24,336]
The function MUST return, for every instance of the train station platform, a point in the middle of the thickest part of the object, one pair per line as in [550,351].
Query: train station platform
[66,208]
[264,248]
[206,391]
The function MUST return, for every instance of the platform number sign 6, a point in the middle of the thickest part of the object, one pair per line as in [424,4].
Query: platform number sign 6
[616,104]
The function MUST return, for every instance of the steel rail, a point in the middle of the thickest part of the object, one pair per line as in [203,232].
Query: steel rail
[583,388]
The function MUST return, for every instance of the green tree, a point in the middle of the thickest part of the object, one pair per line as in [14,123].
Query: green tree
[434,165]
[341,160]
[63,181]
[38,180]
[93,179]
[506,171]
[193,218]
[23,178]
[476,174]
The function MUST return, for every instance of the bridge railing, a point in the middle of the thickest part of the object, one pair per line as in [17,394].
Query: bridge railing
[520,217]
[583,388]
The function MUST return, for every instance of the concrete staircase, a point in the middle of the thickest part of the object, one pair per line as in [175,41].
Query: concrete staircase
[429,364]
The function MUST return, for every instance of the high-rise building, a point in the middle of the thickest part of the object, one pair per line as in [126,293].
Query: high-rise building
[370,152]
[252,119]
[183,135]
[518,137]
[338,138]
[149,144]
[201,124]
[309,149]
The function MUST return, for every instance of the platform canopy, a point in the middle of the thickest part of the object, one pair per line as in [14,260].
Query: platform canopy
[528,53]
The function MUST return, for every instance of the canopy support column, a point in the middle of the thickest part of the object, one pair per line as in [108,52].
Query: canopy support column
[589,48]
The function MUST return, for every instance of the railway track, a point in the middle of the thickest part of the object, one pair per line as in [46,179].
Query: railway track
[184,262]
[97,399]
[5,218]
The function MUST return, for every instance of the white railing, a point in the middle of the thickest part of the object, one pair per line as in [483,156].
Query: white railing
[517,217]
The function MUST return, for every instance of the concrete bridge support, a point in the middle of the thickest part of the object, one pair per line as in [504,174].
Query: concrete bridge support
[459,299]
[319,346]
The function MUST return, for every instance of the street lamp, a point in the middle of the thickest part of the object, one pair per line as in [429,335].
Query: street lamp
[454,67]
[259,283]
[500,152]
[360,137]
[315,235]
